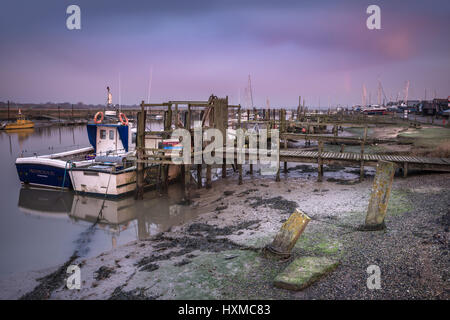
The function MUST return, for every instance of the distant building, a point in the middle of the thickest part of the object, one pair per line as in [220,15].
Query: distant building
[412,103]
[437,106]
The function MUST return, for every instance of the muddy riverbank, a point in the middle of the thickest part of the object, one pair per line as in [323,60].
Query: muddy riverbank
[217,255]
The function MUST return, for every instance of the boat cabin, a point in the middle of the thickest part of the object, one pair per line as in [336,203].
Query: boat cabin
[110,138]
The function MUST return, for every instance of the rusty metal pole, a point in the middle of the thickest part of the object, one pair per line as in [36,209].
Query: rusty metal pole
[379,197]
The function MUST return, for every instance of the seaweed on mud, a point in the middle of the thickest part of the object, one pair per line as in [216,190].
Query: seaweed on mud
[103,273]
[182,263]
[50,282]
[445,220]
[246,192]
[207,242]
[303,168]
[216,231]
[149,267]
[221,208]
[344,182]
[279,203]
[136,294]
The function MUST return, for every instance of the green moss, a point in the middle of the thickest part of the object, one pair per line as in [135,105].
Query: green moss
[304,271]
[425,137]
[398,203]
[207,276]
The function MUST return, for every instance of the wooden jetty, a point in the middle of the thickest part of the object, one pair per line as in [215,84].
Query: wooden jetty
[216,113]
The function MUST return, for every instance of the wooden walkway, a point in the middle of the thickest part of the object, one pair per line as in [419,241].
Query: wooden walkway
[438,164]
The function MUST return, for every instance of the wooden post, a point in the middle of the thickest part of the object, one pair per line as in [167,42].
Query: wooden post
[379,197]
[405,169]
[361,171]
[208,176]
[140,151]
[199,176]
[8,110]
[187,181]
[239,116]
[239,166]
[285,162]
[320,162]
[277,178]
[342,148]
[335,131]
[165,167]
[287,237]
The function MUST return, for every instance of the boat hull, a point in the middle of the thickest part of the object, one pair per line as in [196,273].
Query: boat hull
[19,126]
[43,175]
[103,183]
[49,170]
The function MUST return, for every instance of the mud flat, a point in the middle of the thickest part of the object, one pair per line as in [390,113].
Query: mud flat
[218,255]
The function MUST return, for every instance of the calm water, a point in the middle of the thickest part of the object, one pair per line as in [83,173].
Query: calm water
[42,228]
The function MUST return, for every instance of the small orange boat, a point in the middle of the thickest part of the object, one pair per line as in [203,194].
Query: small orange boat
[21,123]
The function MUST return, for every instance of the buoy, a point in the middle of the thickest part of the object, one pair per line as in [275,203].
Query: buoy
[121,119]
[96,117]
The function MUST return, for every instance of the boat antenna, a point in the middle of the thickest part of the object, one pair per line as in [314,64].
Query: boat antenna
[120,96]
[150,84]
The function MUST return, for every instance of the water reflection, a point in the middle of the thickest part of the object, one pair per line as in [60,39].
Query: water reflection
[148,217]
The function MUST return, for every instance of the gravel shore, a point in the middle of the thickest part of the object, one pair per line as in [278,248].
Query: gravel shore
[217,255]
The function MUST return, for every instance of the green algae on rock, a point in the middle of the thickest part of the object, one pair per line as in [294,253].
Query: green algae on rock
[304,271]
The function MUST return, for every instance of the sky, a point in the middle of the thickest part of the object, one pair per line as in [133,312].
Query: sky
[188,50]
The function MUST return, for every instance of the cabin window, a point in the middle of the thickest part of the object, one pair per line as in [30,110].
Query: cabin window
[111,134]
[102,134]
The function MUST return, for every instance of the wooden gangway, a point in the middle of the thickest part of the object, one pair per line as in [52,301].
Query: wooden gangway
[411,162]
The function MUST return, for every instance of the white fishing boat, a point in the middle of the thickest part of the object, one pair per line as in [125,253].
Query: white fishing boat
[114,176]
[106,137]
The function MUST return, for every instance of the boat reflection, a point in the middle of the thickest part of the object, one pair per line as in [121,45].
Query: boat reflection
[22,134]
[45,203]
[149,217]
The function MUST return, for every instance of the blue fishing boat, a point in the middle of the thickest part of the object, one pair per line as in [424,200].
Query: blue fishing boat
[108,135]
[53,170]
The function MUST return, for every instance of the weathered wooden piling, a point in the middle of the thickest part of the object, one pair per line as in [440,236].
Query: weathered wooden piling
[199,176]
[363,142]
[140,151]
[320,162]
[379,197]
[208,176]
[187,181]
[287,237]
